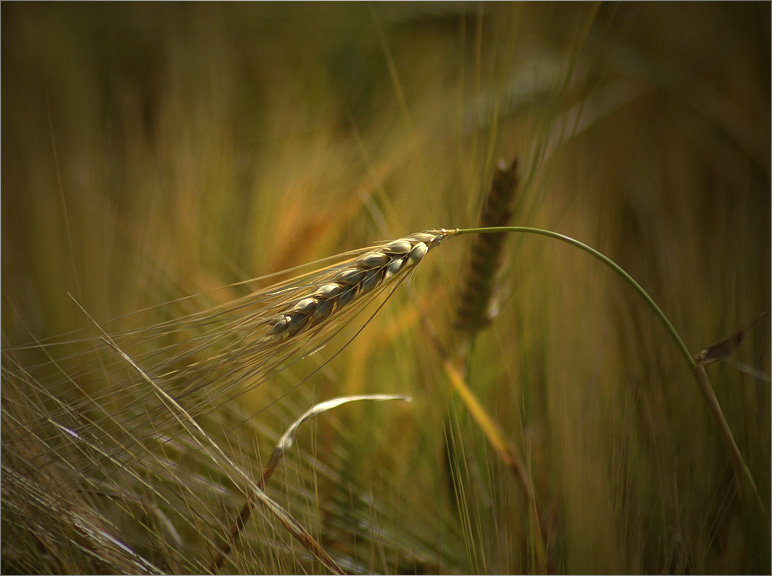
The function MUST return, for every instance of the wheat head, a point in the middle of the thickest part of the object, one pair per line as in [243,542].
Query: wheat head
[353,280]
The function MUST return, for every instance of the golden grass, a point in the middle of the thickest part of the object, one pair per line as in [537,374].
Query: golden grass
[154,152]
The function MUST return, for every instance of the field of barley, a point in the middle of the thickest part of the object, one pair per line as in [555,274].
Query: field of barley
[195,200]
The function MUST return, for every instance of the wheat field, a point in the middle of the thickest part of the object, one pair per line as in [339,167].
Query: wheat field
[179,179]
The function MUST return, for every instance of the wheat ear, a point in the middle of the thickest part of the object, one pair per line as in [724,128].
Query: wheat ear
[207,358]
[476,306]
[351,281]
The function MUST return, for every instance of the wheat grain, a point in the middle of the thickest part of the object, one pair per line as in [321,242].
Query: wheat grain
[352,280]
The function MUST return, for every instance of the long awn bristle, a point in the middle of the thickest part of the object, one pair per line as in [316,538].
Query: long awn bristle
[209,357]
[113,413]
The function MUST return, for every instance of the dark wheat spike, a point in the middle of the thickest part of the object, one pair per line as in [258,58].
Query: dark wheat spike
[476,306]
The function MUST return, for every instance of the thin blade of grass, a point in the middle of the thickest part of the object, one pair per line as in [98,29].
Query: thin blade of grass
[182,416]
[282,447]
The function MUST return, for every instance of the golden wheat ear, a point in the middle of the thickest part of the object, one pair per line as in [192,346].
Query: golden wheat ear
[207,358]
[477,304]
[351,281]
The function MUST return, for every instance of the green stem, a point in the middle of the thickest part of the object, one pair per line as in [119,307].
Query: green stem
[740,467]
[608,262]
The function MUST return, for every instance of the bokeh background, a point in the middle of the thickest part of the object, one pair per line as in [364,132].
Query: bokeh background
[156,150]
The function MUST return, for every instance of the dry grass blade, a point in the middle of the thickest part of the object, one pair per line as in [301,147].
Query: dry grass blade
[724,347]
[126,412]
[491,429]
[282,446]
[201,437]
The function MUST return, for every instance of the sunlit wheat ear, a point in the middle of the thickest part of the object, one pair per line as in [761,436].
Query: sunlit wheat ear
[275,327]
[350,281]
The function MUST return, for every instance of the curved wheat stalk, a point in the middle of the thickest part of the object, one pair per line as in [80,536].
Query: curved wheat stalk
[131,422]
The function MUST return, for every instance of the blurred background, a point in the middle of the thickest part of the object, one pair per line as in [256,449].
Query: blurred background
[157,150]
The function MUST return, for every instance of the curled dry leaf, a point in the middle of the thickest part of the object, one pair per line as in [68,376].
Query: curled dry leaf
[282,446]
[724,347]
